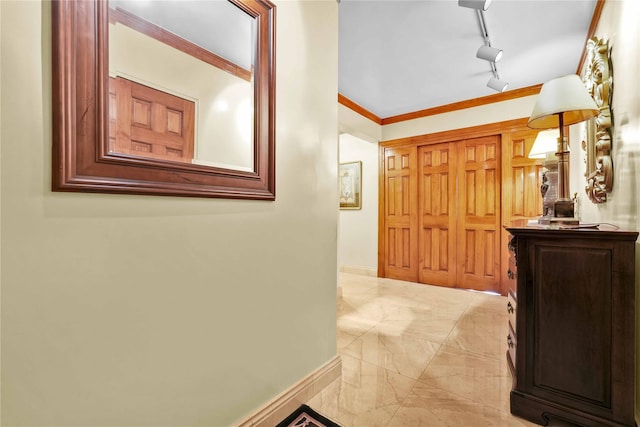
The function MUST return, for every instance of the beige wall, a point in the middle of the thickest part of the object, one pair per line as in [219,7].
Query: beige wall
[132,310]
[619,24]
[358,229]
[361,127]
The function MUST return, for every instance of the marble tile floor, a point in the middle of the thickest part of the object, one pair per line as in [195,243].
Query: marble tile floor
[417,355]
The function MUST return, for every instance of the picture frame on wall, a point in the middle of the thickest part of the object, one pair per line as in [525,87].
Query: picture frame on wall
[350,182]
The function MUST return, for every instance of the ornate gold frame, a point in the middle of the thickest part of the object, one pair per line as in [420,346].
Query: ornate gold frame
[597,144]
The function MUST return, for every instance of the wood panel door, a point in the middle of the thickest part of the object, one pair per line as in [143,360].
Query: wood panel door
[400,213]
[149,122]
[521,180]
[437,214]
[466,185]
[478,220]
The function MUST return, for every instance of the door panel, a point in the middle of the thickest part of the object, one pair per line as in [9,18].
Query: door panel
[436,215]
[149,122]
[478,225]
[521,182]
[399,214]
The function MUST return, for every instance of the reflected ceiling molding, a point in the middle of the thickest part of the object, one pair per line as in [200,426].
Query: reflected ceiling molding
[150,29]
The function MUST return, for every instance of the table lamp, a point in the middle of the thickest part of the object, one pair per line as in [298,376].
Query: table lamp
[544,147]
[562,102]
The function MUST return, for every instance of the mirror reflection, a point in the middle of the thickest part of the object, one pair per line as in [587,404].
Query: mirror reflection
[181,82]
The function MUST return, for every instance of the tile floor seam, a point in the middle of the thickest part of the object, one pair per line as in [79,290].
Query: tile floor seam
[441,346]
[457,394]
[356,402]
[399,407]
[356,338]
[462,397]
[444,340]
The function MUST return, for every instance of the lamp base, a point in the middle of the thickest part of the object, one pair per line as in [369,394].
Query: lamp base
[563,208]
[545,220]
[563,214]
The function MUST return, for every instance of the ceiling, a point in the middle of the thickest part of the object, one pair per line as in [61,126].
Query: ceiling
[400,56]
[218,26]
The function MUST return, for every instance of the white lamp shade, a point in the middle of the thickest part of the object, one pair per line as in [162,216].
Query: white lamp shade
[475,4]
[546,142]
[566,95]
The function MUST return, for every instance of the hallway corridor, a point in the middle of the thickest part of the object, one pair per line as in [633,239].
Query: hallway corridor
[417,355]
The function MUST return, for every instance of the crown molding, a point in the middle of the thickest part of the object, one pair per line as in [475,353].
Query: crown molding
[358,109]
[592,30]
[462,105]
[469,103]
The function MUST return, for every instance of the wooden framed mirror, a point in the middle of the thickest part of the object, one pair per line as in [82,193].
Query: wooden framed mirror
[143,104]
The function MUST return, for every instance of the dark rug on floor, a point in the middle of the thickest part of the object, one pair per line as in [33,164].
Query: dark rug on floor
[306,417]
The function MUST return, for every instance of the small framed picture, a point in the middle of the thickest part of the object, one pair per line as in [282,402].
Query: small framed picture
[350,185]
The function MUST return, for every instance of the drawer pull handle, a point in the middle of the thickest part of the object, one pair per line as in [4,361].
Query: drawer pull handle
[509,341]
[510,274]
[510,308]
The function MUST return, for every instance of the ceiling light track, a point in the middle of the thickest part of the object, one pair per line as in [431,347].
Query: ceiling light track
[486,51]
[490,54]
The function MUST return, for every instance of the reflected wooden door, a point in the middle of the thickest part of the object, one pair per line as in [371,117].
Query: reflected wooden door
[149,122]
[437,214]
[478,219]
[400,214]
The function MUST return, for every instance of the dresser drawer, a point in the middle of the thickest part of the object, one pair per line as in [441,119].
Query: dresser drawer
[512,305]
[512,274]
[511,345]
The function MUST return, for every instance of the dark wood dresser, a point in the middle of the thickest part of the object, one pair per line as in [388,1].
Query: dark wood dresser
[572,324]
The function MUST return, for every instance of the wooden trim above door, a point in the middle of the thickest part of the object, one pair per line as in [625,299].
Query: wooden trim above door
[463,105]
[462,133]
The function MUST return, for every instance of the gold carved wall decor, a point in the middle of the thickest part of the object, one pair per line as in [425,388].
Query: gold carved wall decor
[597,144]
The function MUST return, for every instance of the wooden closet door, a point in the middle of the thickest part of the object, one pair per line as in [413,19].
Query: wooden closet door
[478,219]
[521,180]
[437,214]
[400,214]
[149,122]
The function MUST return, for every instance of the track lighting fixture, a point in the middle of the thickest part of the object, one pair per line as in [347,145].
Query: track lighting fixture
[497,84]
[488,53]
[475,4]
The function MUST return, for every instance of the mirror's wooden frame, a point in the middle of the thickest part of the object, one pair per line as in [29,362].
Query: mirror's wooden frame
[81,161]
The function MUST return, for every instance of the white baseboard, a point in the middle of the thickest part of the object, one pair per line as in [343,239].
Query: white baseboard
[288,401]
[363,271]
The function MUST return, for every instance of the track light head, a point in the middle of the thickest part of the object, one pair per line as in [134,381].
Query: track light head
[489,53]
[497,85]
[475,4]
